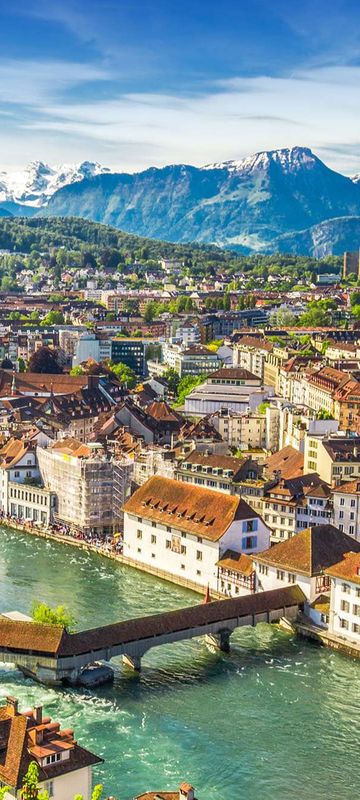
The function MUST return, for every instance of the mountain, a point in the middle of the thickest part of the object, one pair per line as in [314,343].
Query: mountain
[331,237]
[244,205]
[32,188]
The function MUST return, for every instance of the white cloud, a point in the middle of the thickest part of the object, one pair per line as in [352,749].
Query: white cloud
[232,118]
[33,83]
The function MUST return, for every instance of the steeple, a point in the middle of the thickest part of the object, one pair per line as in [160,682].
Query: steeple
[207,597]
[13,384]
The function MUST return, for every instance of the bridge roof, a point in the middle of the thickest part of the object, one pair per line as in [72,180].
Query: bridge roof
[175,621]
[30,636]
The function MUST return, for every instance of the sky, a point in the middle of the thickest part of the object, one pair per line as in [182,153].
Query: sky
[140,83]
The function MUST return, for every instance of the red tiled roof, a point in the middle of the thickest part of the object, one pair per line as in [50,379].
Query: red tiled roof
[348,569]
[310,552]
[202,512]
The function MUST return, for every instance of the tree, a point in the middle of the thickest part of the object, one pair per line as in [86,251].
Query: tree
[124,374]
[78,370]
[45,360]
[172,379]
[60,615]
[186,385]
[149,311]
[53,318]
[30,790]
[21,365]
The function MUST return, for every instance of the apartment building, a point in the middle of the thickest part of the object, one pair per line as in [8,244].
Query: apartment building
[213,471]
[250,353]
[184,530]
[192,360]
[294,504]
[247,430]
[82,479]
[334,458]
[320,388]
[346,507]
[344,611]
[275,359]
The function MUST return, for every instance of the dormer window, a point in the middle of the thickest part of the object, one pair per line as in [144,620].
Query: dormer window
[53,758]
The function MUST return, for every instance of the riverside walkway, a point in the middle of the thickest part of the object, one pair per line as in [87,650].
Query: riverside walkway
[51,655]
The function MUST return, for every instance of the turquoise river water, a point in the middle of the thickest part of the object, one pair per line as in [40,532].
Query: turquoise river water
[276,719]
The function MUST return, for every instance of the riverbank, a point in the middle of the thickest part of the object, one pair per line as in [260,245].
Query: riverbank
[108,552]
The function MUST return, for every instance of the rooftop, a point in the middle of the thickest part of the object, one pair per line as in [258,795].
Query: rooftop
[311,551]
[201,512]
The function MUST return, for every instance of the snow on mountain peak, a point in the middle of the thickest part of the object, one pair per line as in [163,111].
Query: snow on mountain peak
[289,158]
[34,185]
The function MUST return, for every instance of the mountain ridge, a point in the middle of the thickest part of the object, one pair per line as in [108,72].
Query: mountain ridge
[254,204]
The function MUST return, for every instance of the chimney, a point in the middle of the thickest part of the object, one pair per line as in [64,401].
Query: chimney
[186,792]
[12,706]
[93,382]
[38,714]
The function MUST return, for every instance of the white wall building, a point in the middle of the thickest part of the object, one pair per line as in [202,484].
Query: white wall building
[344,617]
[183,530]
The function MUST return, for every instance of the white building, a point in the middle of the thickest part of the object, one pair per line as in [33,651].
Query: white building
[64,767]
[305,560]
[240,430]
[234,388]
[183,530]
[344,616]
[346,507]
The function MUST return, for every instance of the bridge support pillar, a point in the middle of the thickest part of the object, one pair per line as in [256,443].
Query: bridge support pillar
[219,640]
[134,662]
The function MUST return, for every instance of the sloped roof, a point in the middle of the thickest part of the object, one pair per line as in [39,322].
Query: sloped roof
[202,512]
[71,447]
[13,451]
[288,461]
[237,562]
[236,465]
[310,552]
[348,568]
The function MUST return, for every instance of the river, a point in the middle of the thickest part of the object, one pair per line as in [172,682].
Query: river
[277,718]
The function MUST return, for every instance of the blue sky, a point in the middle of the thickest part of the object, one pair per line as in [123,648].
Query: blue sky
[138,83]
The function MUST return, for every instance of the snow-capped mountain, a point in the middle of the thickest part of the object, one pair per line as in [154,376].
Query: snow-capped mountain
[34,185]
[288,159]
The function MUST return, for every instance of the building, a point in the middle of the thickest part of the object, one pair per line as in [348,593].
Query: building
[183,530]
[294,504]
[130,351]
[64,767]
[83,480]
[344,612]
[335,458]
[233,387]
[22,495]
[157,423]
[346,507]
[90,346]
[193,360]
[305,559]
[222,473]
[351,264]
[251,353]
[246,430]
[185,792]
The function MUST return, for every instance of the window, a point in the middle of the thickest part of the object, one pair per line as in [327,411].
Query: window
[182,566]
[183,550]
[351,530]
[356,611]
[249,542]
[198,572]
[342,501]
[153,538]
[341,515]
[199,539]
[345,606]
[153,524]
[139,534]
[139,519]
[263,570]
[352,503]
[139,549]
[344,624]
[355,627]
[49,788]
[291,577]
[280,574]
[168,544]
[345,588]
[198,555]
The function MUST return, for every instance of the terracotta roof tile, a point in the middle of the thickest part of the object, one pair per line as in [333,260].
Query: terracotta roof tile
[310,552]
[202,512]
